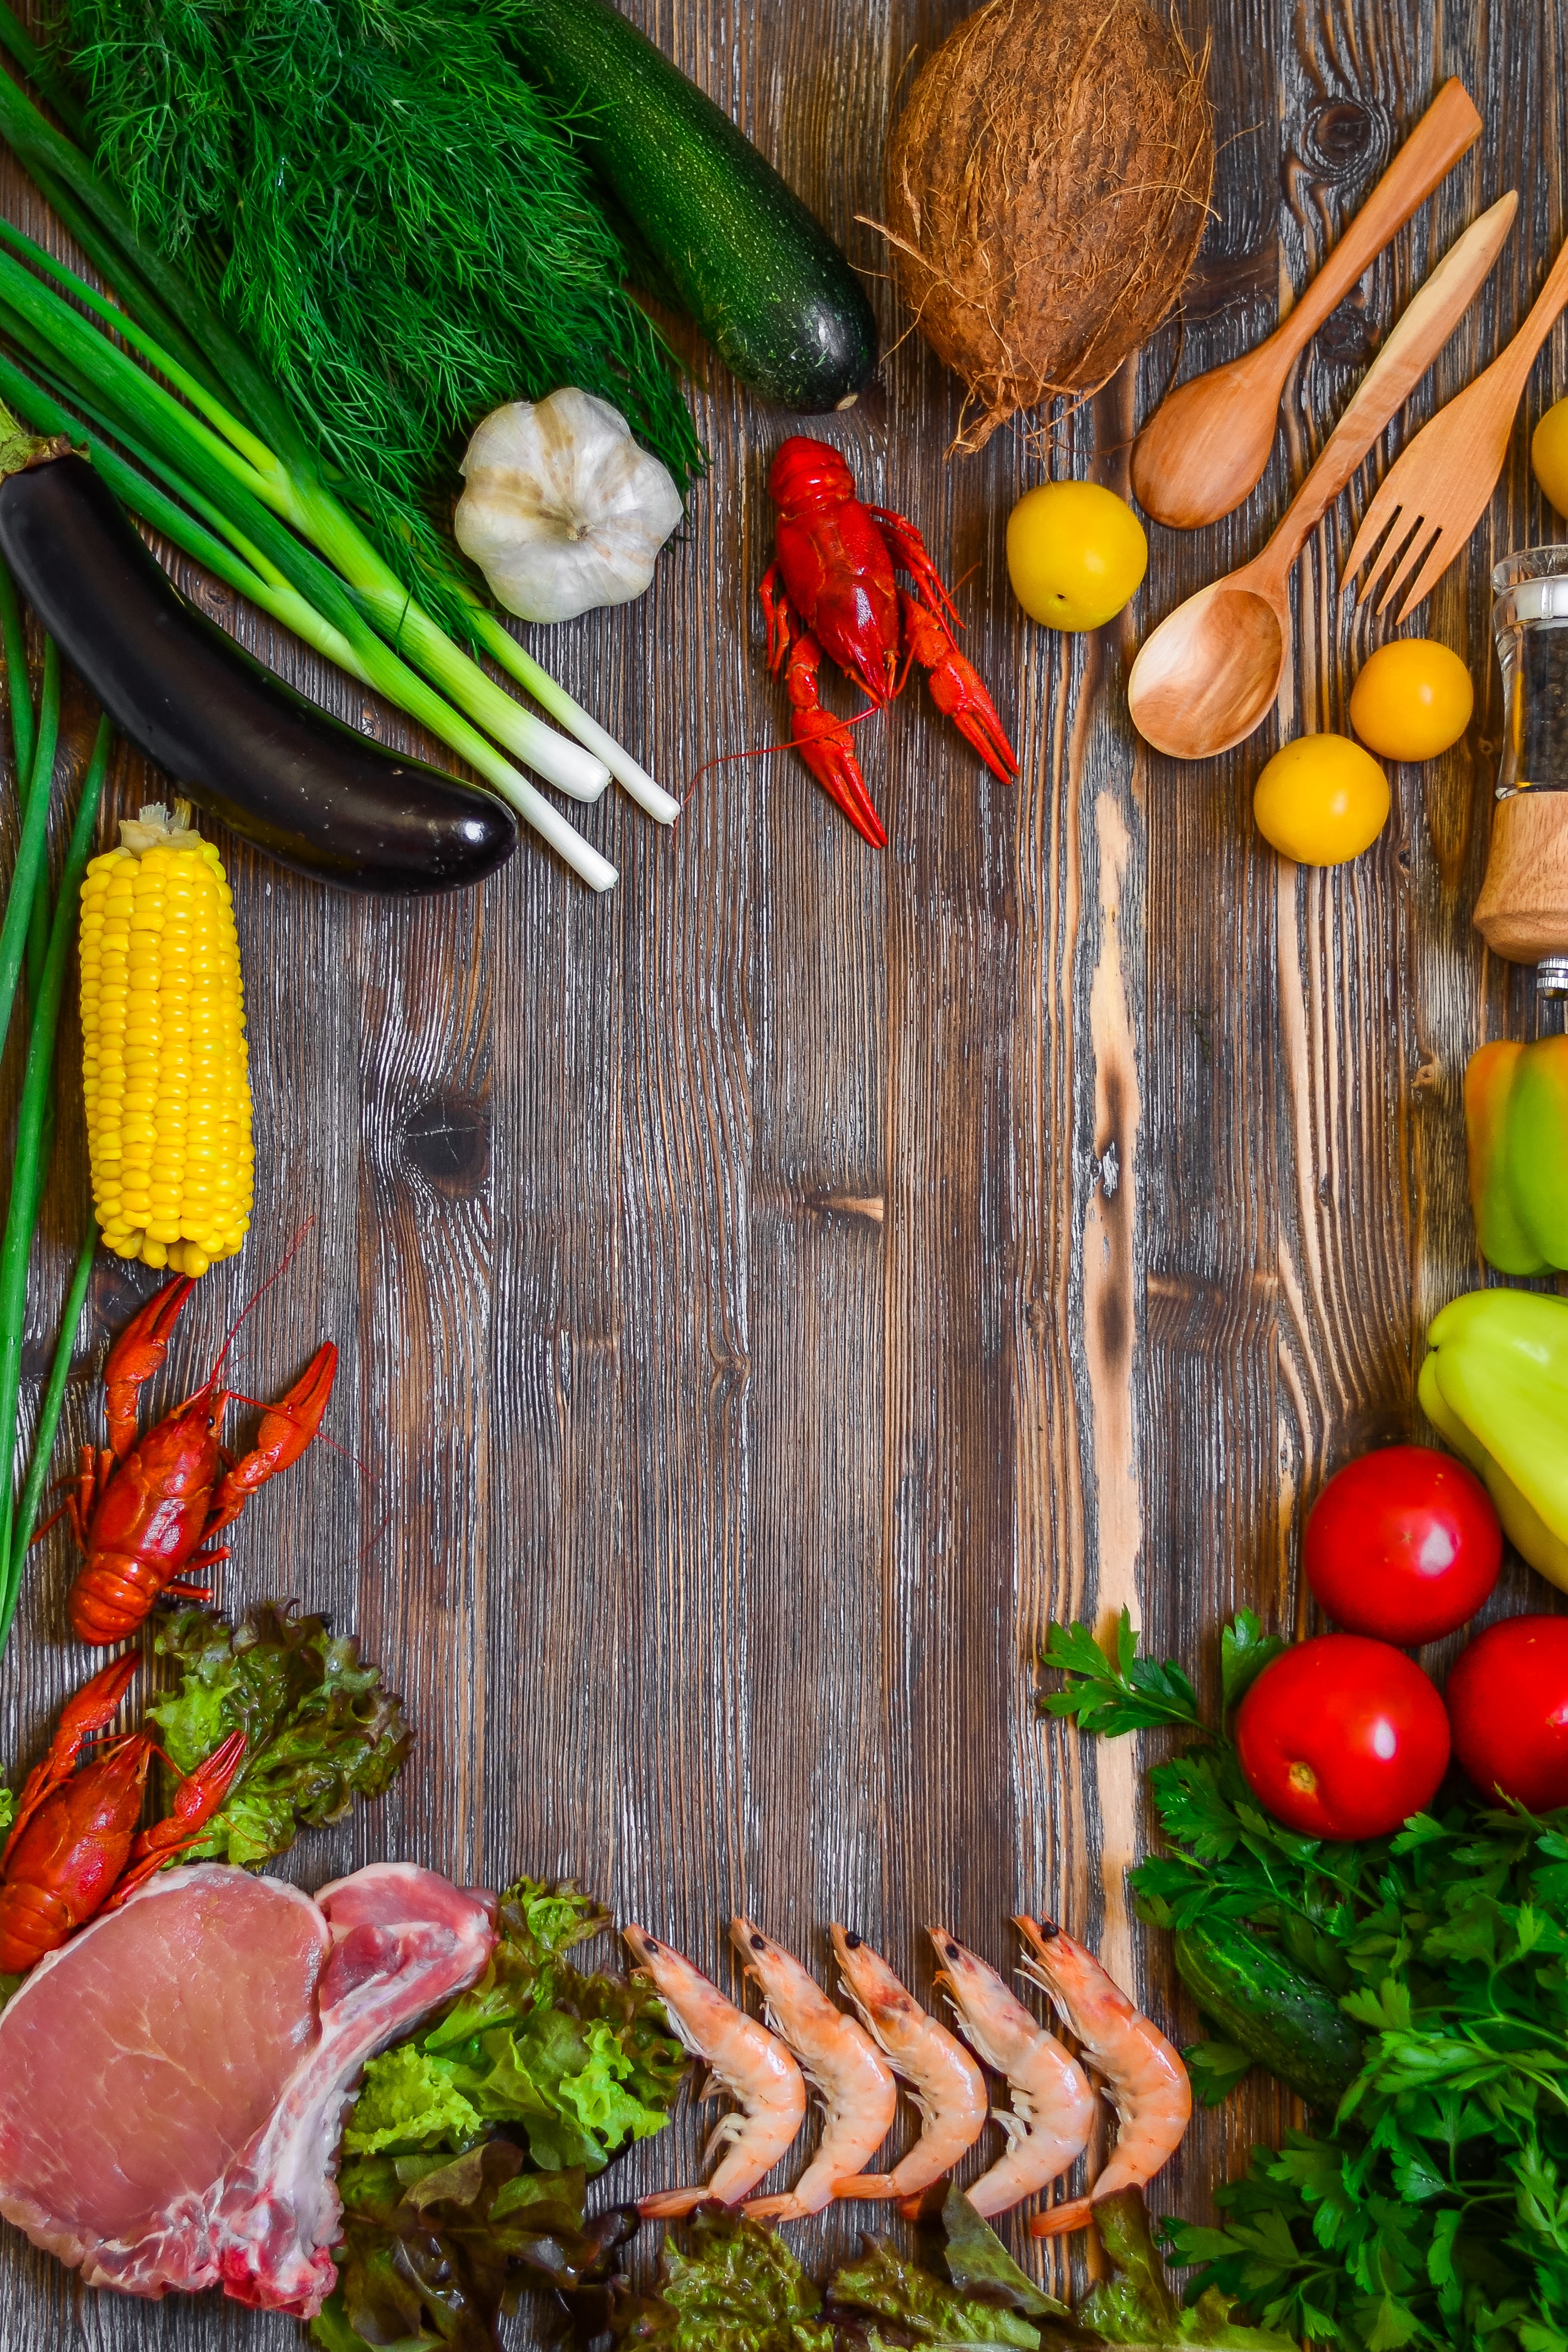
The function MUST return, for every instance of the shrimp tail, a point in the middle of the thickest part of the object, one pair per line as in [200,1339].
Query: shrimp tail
[783,2205]
[1058,2219]
[673,2204]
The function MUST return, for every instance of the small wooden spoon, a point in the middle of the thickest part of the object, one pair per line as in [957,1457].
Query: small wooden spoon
[1212,672]
[1208,441]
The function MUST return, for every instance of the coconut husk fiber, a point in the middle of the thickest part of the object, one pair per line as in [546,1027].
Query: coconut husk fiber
[1047,189]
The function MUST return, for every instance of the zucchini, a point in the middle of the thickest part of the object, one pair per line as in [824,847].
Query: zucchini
[1287,2021]
[762,278]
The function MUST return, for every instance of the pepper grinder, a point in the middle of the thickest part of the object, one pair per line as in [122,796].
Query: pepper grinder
[1522,910]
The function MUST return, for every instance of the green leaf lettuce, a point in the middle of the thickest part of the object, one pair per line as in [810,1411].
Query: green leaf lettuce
[321,1731]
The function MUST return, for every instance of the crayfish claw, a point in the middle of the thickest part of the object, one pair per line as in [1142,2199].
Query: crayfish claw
[957,688]
[286,1428]
[198,1798]
[825,744]
[136,1355]
[84,1713]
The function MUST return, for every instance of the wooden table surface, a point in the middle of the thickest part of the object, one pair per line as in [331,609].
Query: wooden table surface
[769,1293]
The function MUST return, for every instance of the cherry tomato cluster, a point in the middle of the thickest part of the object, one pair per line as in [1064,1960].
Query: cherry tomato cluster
[1344,1736]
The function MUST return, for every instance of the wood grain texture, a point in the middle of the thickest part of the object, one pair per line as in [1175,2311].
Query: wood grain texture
[769,1293]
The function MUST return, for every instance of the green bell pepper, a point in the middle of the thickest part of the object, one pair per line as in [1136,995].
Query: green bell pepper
[1516,1123]
[1494,1386]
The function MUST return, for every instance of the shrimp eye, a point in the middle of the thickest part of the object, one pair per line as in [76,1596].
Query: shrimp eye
[852,1942]
[651,1944]
[1047,1928]
[950,1951]
[758,1943]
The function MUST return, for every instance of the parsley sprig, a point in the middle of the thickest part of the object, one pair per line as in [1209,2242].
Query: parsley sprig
[1433,2211]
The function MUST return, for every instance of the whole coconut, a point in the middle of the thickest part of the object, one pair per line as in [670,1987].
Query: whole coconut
[1048,185]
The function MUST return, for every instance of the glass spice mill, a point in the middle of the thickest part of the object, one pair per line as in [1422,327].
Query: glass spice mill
[1522,910]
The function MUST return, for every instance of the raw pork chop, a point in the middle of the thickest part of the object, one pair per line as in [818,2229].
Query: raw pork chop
[172,2080]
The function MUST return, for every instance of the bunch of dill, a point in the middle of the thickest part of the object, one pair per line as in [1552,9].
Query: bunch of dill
[397,219]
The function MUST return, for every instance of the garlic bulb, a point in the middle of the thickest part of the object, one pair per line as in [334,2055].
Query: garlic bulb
[563,512]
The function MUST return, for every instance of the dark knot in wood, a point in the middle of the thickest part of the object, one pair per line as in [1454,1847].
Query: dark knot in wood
[1345,139]
[446,1139]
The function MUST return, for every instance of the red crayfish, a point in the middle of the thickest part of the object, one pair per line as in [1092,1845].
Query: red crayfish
[145,1512]
[73,1850]
[836,560]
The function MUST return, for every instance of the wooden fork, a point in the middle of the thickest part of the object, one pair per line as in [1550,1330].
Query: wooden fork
[1436,489]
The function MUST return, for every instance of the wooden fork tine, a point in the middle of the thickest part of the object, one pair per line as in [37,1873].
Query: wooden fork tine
[1410,554]
[1374,523]
[1439,555]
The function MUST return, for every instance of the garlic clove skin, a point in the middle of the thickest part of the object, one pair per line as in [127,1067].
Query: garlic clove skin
[562,511]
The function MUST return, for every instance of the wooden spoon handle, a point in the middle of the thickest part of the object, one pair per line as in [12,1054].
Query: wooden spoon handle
[1425,325]
[1513,363]
[1448,128]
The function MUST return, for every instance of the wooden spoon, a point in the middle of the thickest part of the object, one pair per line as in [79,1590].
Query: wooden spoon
[1210,673]
[1208,441]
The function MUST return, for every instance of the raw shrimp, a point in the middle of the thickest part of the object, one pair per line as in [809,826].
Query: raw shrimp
[1146,2080]
[857,2089]
[946,2084]
[1053,2106]
[753,2066]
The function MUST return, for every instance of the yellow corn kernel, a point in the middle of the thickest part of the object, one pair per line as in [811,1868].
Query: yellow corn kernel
[165,1075]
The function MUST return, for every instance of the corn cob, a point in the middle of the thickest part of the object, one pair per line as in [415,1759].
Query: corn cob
[164,1050]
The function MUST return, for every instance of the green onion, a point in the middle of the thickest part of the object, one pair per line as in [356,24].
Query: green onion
[28,878]
[34,1118]
[220,453]
[318,607]
[44,1434]
[184,447]
[16,681]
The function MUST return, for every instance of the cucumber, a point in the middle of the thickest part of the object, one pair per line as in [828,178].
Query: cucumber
[762,278]
[1286,2021]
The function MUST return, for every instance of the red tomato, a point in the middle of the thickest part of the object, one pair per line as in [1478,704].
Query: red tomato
[1403,1543]
[1343,1738]
[1508,1703]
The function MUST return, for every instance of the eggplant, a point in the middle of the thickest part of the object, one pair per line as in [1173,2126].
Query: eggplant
[275,768]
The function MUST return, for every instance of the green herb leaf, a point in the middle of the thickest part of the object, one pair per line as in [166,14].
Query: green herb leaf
[410,2100]
[321,1731]
[432,248]
[434,2247]
[922,2308]
[1135,2306]
[734,2287]
[442,2216]
[581,2064]
[1215,2069]
[1114,1692]
[979,2263]
[1244,1651]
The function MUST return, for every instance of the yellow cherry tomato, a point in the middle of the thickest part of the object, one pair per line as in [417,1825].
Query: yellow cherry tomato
[1413,699]
[1322,800]
[1076,554]
[1549,455]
